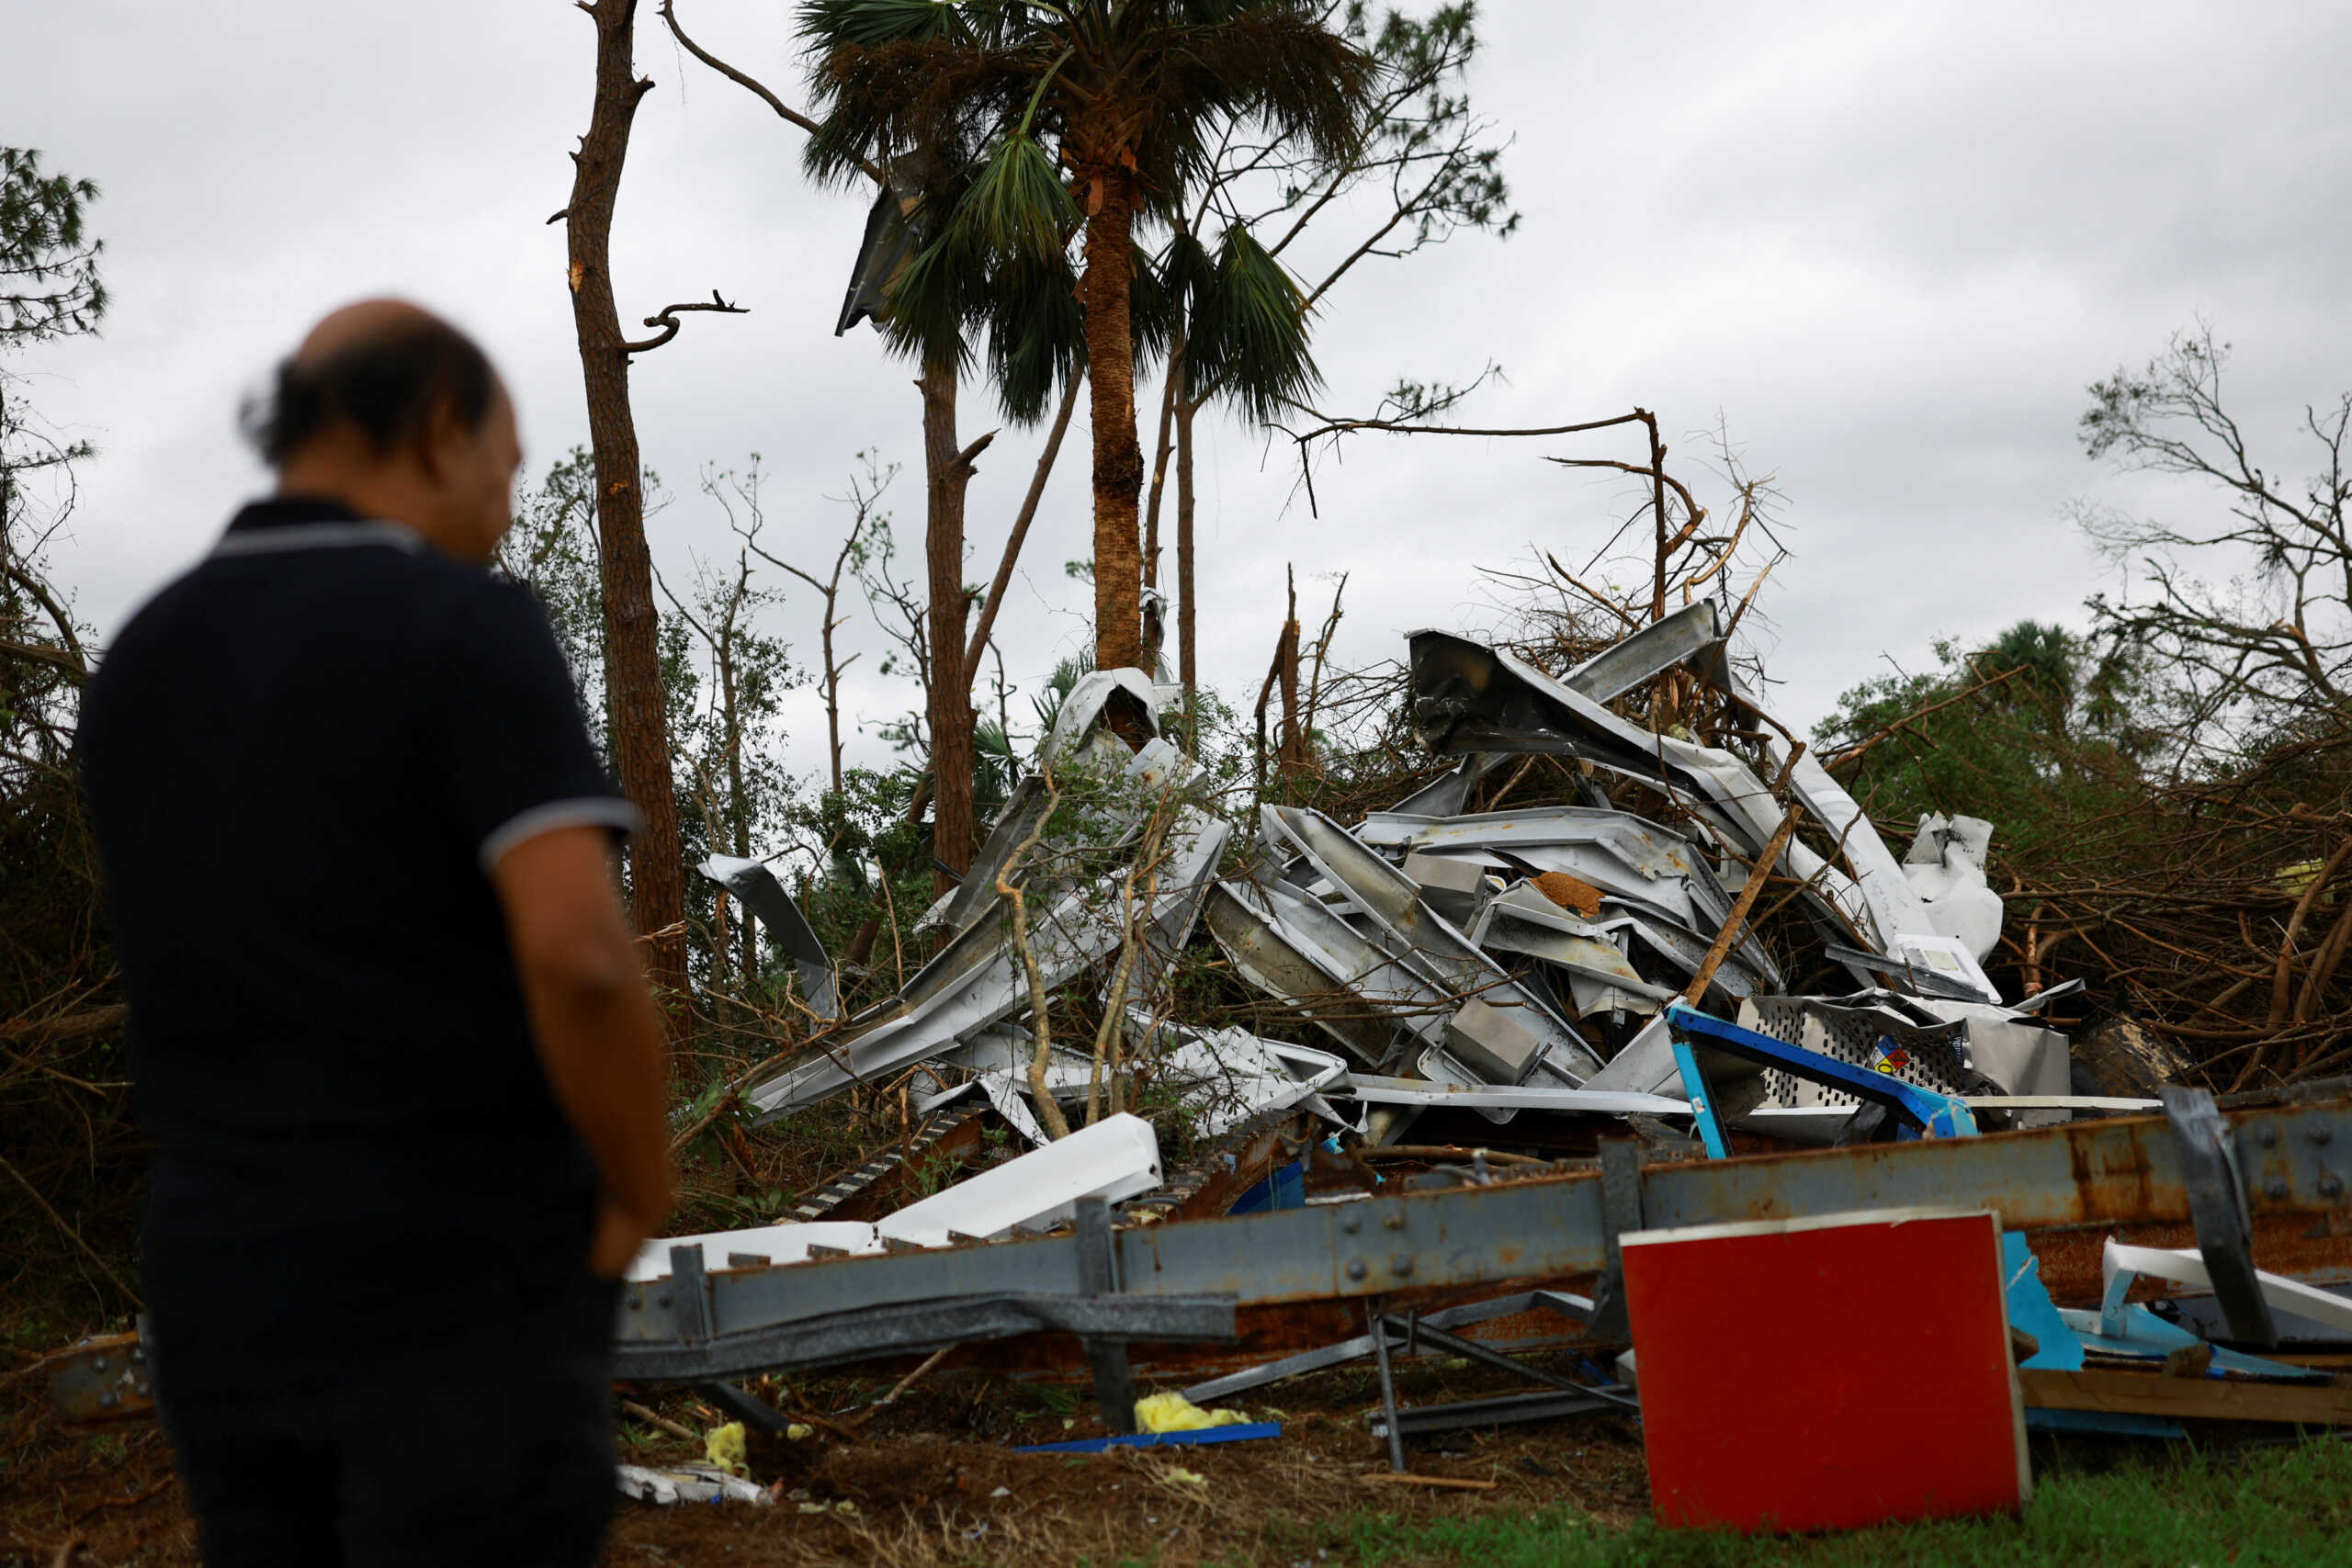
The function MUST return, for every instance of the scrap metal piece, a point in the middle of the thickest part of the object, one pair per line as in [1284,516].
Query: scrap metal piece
[1623,855]
[884,252]
[1643,1064]
[939,1126]
[765,897]
[1621,1213]
[1453,887]
[1687,633]
[1511,1409]
[2217,1201]
[1928,1042]
[1446,795]
[1523,920]
[1098,1264]
[1227,1078]
[1264,956]
[1373,1090]
[1355,1349]
[1429,943]
[1379,1326]
[1368,975]
[863,1333]
[689,1287]
[1927,981]
[1096,693]
[103,1377]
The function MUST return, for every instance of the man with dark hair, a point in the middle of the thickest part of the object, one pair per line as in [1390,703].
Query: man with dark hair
[388,1023]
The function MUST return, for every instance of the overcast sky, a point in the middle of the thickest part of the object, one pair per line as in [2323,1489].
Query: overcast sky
[1884,245]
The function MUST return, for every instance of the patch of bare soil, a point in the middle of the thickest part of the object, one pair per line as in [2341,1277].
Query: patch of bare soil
[932,1479]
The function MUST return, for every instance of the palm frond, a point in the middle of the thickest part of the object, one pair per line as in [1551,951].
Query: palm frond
[1016,205]
[826,24]
[1037,334]
[1248,341]
[931,301]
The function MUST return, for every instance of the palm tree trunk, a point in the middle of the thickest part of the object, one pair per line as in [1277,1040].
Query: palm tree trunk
[633,667]
[948,470]
[1110,379]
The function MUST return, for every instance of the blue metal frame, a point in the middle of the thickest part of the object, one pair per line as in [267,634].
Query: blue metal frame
[1922,1113]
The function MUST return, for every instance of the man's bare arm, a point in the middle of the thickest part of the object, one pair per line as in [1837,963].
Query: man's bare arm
[599,1037]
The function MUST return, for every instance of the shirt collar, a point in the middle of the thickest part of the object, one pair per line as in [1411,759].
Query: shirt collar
[305,523]
[290,511]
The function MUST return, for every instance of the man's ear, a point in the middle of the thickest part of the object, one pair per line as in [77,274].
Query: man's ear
[442,441]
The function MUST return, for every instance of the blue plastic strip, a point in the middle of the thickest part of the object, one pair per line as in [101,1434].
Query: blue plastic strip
[2146,1335]
[1702,1111]
[2103,1423]
[2031,1309]
[1285,1189]
[1240,1434]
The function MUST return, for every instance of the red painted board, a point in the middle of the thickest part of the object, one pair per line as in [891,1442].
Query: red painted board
[1826,1372]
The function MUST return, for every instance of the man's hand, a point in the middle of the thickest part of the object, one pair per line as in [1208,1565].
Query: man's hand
[593,1016]
[618,1236]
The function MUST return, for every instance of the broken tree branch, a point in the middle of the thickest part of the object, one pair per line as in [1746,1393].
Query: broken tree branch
[667,319]
[1013,541]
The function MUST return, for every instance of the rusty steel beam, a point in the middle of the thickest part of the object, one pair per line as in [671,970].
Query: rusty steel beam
[1296,1274]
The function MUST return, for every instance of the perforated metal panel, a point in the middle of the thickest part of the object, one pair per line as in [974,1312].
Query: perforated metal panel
[1933,1057]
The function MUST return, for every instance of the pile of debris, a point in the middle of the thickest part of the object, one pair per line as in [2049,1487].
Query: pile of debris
[1506,961]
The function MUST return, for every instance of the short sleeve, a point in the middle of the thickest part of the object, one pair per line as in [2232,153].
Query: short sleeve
[514,757]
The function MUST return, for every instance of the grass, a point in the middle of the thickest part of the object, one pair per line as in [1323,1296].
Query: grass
[2288,1504]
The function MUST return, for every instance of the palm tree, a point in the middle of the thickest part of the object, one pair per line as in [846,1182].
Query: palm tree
[1090,115]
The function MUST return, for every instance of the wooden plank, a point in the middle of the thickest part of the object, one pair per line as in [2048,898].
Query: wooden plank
[2207,1399]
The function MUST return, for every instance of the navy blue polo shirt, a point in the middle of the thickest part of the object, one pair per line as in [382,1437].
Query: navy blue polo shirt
[301,758]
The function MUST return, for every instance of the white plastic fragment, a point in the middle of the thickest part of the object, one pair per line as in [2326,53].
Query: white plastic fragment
[1116,1158]
[775,1244]
[2118,1263]
[688,1484]
[1945,869]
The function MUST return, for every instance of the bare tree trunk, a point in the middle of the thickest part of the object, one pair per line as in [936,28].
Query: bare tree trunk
[1156,631]
[633,669]
[948,472]
[738,810]
[1108,188]
[1294,753]
[1187,633]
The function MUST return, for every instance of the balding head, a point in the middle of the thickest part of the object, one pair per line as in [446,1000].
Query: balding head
[367,321]
[389,408]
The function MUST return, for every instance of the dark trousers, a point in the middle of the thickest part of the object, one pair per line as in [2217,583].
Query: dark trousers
[437,1460]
